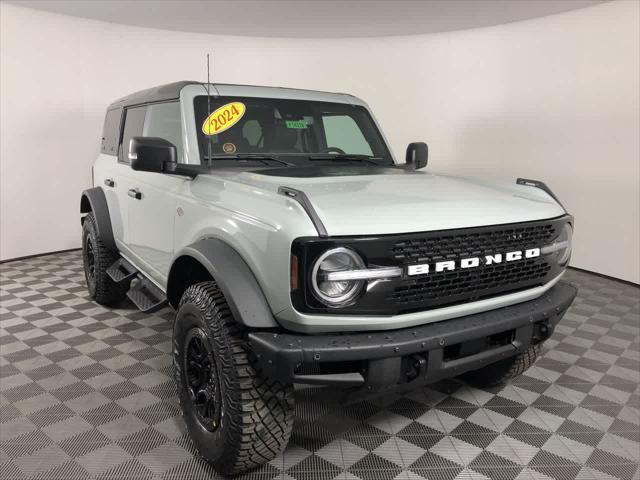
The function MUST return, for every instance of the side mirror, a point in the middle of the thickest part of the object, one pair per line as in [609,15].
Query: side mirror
[418,155]
[152,154]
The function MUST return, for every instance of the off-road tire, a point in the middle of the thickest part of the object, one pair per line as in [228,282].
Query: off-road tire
[101,288]
[502,372]
[256,412]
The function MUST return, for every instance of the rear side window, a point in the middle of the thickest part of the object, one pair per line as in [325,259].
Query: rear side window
[163,120]
[111,132]
[133,123]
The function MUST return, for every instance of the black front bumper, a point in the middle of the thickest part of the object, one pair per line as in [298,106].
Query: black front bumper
[396,358]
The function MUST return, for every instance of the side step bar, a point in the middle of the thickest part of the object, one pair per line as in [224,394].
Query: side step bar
[142,292]
[146,296]
[122,271]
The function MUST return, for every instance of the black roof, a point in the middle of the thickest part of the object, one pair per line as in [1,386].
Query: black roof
[162,93]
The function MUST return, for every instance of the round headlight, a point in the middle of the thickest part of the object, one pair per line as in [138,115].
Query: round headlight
[564,241]
[336,293]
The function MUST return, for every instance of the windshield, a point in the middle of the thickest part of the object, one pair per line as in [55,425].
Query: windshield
[286,132]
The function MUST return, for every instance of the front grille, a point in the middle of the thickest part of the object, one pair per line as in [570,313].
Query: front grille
[445,247]
[475,283]
[415,293]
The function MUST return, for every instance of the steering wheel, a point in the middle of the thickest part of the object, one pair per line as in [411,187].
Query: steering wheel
[332,150]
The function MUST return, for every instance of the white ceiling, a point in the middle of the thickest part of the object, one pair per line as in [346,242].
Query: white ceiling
[309,18]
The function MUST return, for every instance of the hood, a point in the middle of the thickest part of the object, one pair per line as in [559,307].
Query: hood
[369,201]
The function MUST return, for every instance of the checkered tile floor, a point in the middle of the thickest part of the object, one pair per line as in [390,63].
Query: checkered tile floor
[86,392]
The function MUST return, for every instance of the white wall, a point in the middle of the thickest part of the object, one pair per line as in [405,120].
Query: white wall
[554,98]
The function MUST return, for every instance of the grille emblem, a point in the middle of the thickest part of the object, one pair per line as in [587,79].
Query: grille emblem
[471,262]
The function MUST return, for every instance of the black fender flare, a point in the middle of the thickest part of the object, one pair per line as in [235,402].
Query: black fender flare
[234,278]
[93,200]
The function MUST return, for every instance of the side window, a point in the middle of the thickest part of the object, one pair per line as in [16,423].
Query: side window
[343,132]
[111,132]
[163,120]
[133,122]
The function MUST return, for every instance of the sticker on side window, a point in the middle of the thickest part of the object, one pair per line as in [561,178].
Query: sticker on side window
[296,124]
[223,118]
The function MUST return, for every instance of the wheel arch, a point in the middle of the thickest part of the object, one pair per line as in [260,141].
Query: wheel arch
[214,259]
[94,200]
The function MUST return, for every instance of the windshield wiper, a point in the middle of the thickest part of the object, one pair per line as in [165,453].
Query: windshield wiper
[249,156]
[346,157]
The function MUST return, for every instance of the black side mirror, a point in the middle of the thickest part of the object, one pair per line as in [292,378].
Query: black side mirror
[152,154]
[418,155]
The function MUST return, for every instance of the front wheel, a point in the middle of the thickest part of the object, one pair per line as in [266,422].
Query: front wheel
[237,419]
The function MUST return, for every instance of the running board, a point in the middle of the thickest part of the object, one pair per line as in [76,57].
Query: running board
[122,272]
[146,296]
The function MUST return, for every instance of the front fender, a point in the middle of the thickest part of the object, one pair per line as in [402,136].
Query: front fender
[234,277]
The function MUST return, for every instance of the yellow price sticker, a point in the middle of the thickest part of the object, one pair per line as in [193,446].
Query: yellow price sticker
[223,118]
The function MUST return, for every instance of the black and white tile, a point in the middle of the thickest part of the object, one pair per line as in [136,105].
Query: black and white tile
[87,392]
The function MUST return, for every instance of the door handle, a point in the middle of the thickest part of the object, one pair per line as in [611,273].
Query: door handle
[109,182]
[135,193]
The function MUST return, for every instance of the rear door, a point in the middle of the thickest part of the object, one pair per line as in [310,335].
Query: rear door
[106,172]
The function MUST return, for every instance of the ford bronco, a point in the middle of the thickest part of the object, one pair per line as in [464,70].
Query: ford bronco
[295,249]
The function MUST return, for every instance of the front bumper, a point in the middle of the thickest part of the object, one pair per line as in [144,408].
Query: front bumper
[405,357]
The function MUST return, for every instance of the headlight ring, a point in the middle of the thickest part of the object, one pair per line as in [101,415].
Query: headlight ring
[561,247]
[566,236]
[336,293]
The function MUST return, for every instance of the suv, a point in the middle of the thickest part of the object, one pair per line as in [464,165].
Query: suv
[294,248]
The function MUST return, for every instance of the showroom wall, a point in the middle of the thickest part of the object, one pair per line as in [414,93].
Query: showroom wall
[554,98]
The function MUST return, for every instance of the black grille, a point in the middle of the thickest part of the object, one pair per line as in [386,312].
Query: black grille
[445,247]
[437,289]
[475,283]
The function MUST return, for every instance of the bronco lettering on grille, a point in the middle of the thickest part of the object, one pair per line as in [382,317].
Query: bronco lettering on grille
[472,262]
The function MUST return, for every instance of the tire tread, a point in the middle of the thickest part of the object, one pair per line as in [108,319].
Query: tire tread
[107,291]
[260,410]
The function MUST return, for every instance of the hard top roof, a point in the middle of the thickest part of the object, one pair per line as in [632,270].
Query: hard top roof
[171,91]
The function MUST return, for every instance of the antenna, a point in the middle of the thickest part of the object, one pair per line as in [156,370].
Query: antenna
[208,112]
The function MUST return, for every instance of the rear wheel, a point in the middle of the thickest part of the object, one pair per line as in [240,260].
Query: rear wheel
[237,418]
[96,259]
[501,372]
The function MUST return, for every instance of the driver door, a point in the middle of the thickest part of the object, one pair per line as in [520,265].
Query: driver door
[152,197]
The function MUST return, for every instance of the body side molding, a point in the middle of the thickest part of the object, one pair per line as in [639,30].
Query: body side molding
[300,197]
[93,200]
[233,276]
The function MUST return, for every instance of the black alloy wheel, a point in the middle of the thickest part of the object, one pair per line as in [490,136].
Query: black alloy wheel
[203,379]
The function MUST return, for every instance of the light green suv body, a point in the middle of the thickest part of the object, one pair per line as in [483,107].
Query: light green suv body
[298,213]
